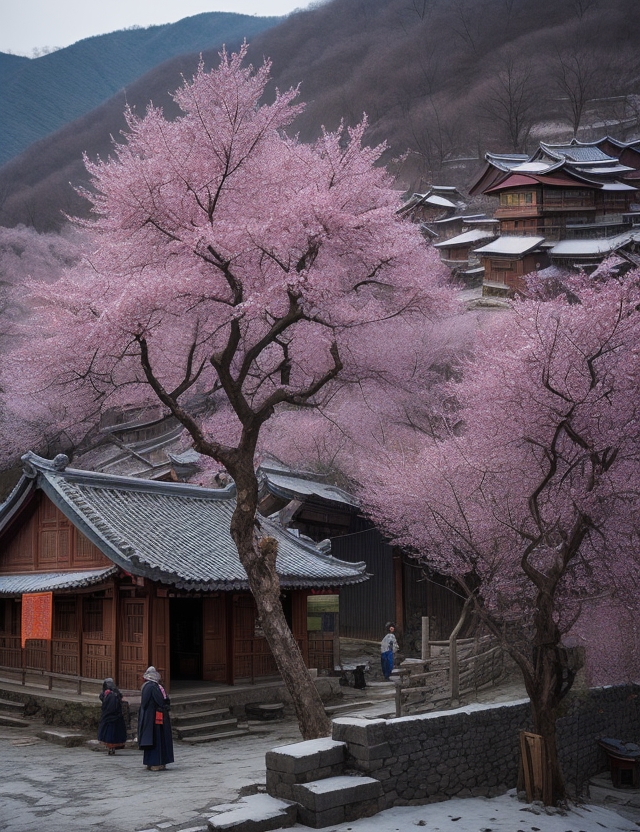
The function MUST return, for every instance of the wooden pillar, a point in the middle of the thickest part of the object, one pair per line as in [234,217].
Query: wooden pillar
[426,648]
[228,600]
[398,592]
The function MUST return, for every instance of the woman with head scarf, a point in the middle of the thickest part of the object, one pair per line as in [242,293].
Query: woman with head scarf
[154,724]
[388,647]
[112,730]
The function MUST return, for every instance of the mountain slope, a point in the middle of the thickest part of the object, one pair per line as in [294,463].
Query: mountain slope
[443,79]
[40,95]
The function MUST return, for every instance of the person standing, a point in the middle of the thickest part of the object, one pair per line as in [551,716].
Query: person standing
[112,730]
[154,724]
[388,648]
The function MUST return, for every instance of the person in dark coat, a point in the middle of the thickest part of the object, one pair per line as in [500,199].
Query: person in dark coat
[154,724]
[112,730]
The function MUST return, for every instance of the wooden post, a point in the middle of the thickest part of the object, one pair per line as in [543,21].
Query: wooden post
[426,647]
[454,673]
[398,698]
[398,593]
[336,641]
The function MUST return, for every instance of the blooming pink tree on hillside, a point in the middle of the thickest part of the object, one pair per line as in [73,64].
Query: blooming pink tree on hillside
[531,502]
[234,273]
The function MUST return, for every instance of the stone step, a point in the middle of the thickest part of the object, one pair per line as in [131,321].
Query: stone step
[10,721]
[337,800]
[344,707]
[180,703]
[264,710]
[66,738]
[255,813]
[200,716]
[218,735]
[302,762]
[210,727]
[9,706]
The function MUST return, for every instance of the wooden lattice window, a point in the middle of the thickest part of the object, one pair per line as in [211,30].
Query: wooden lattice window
[92,617]
[134,623]
[64,618]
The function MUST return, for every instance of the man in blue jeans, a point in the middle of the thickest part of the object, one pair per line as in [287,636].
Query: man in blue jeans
[388,647]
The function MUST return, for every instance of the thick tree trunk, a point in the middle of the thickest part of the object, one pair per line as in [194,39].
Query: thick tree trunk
[258,556]
[548,680]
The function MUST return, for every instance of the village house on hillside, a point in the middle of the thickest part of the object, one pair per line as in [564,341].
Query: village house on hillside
[569,205]
[103,575]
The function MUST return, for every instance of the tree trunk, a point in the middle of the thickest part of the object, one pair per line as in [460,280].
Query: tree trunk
[258,557]
[547,683]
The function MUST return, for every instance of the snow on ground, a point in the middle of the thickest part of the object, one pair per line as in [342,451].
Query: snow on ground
[480,814]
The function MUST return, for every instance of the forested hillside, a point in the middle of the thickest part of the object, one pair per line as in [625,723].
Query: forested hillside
[442,79]
[40,95]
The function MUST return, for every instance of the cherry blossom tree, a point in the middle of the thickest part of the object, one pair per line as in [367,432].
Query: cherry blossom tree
[234,274]
[531,501]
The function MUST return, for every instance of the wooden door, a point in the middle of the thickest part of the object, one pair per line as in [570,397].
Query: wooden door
[252,657]
[134,641]
[98,638]
[214,639]
[160,655]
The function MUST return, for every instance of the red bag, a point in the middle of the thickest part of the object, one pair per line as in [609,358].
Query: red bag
[159,718]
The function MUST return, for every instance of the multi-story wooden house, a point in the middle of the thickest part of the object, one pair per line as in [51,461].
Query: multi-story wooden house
[576,191]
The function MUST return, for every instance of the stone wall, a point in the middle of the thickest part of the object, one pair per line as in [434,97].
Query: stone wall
[474,750]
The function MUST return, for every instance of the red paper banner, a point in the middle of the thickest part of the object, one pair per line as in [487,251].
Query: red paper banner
[37,616]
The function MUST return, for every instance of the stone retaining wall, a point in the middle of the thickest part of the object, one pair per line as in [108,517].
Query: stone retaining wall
[474,750]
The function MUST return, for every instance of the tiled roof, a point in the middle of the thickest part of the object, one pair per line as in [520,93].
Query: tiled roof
[51,581]
[172,532]
[289,484]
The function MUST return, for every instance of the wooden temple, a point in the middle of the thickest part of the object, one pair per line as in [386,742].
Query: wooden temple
[104,575]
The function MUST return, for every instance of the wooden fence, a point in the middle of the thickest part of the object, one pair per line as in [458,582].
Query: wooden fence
[450,670]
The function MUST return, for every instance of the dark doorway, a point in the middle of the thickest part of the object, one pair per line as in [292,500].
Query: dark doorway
[186,638]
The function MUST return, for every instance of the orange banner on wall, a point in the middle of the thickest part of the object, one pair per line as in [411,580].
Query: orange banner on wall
[37,616]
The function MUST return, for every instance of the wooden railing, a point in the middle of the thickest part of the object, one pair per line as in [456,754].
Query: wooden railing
[26,676]
[448,671]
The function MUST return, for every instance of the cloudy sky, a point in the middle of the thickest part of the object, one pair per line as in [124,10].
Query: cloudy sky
[26,25]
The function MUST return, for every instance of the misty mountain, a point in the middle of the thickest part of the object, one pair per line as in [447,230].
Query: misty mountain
[40,95]
[441,81]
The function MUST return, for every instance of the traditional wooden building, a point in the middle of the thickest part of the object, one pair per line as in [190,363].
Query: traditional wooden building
[103,575]
[397,590]
[584,191]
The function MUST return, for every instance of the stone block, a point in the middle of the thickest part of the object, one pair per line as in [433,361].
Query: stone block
[306,756]
[255,813]
[68,739]
[317,820]
[360,731]
[367,753]
[322,795]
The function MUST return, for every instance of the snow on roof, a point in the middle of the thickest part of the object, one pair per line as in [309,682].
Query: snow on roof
[465,218]
[617,186]
[511,245]
[442,201]
[601,245]
[474,235]
[534,167]
[608,169]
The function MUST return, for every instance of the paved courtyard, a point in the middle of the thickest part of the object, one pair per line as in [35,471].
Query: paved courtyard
[47,787]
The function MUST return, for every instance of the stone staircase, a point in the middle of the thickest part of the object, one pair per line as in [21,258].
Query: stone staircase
[195,719]
[307,782]
[12,713]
